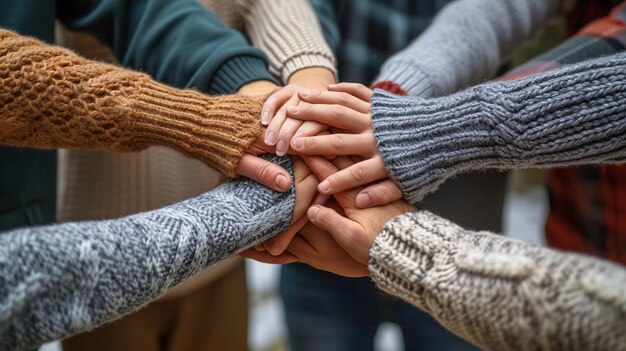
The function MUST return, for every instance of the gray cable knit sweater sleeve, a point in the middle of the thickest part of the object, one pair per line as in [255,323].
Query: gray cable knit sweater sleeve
[570,116]
[62,279]
[500,293]
[465,44]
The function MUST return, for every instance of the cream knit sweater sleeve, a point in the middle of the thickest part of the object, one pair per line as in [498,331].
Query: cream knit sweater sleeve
[286,30]
[500,293]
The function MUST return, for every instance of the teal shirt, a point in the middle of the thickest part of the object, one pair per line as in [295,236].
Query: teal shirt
[177,42]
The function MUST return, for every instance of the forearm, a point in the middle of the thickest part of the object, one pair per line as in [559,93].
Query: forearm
[500,293]
[289,33]
[52,98]
[62,279]
[465,45]
[575,115]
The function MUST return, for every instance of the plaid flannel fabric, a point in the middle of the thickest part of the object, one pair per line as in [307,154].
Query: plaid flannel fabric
[363,34]
[587,204]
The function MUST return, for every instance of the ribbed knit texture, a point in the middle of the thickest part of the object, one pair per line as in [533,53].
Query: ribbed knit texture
[51,98]
[287,31]
[500,293]
[62,279]
[571,116]
[465,44]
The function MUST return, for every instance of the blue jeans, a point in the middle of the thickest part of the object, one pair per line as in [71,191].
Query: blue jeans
[332,313]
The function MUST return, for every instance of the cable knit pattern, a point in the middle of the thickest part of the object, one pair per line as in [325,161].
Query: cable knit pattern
[52,98]
[287,31]
[500,293]
[465,44]
[62,279]
[571,116]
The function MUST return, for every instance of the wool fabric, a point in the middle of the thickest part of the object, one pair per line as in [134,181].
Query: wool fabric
[52,98]
[570,116]
[61,279]
[500,293]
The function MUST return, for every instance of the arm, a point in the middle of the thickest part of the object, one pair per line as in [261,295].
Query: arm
[61,279]
[52,98]
[574,115]
[500,293]
[496,292]
[176,42]
[289,33]
[464,45]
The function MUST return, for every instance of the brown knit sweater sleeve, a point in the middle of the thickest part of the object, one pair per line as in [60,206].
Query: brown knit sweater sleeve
[52,98]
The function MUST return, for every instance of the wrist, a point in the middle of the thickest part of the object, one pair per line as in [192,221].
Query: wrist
[258,88]
[313,78]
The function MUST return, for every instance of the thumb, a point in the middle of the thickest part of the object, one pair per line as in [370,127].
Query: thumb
[347,233]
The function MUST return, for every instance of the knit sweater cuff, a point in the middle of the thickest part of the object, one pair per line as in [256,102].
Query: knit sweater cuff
[425,141]
[237,72]
[409,77]
[306,60]
[404,251]
[216,130]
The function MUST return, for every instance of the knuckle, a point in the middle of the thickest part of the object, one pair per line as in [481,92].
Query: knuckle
[337,112]
[309,143]
[262,171]
[336,141]
[383,193]
[344,98]
[359,173]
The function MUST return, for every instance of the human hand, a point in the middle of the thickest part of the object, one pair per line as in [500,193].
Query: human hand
[256,168]
[280,129]
[316,248]
[346,108]
[356,230]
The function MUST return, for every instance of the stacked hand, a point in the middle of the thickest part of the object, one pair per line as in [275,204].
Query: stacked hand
[347,164]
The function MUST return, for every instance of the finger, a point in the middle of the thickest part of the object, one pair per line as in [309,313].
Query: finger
[265,172]
[279,243]
[271,134]
[335,144]
[321,167]
[305,192]
[302,249]
[340,227]
[300,169]
[310,128]
[334,98]
[361,173]
[333,115]
[379,194]
[289,128]
[277,99]
[358,90]
[266,257]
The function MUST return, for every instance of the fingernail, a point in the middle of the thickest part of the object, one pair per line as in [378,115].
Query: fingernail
[324,187]
[281,148]
[265,118]
[274,248]
[293,110]
[304,93]
[312,212]
[281,182]
[270,138]
[259,247]
[298,143]
[363,200]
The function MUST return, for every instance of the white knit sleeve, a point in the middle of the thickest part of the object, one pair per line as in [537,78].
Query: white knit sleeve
[500,293]
[288,32]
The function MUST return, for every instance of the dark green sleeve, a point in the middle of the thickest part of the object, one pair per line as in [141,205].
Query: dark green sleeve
[178,42]
[327,18]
